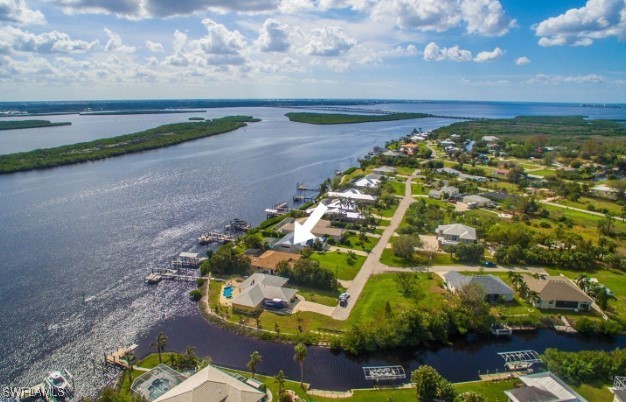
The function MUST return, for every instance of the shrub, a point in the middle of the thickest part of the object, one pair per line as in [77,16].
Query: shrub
[585,326]
[195,295]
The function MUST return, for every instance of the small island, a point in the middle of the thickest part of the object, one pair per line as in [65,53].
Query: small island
[340,118]
[21,124]
[159,137]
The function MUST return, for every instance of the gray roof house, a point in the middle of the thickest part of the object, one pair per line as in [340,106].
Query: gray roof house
[450,235]
[476,201]
[495,288]
[258,288]
[543,387]
[385,170]
[212,385]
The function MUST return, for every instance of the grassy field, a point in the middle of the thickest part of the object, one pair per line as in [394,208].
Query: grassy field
[356,244]
[162,136]
[325,297]
[594,393]
[598,204]
[398,187]
[383,288]
[339,118]
[419,189]
[543,172]
[387,213]
[338,262]
[492,391]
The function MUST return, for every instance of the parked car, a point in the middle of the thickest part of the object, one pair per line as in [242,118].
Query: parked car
[489,264]
[344,296]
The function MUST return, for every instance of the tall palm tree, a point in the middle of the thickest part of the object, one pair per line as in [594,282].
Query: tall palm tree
[300,356]
[516,279]
[159,344]
[584,282]
[533,297]
[255,358]
[279,380]
[523,290]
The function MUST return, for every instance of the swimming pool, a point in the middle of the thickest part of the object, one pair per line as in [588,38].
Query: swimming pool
[228,291]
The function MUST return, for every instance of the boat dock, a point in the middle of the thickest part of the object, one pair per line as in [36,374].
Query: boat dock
[501,330]
[172,274]
[302,198]
[237,226]
[304,187]
[277,209]
[187,260]
[215,237]
[116,358]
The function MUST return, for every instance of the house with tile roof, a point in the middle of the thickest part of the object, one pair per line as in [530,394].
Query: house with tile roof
[451,235]
[543,387]
[258,289]
[269,260]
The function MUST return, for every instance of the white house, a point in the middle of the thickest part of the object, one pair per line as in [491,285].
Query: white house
[451,235]
[490,138]
[476,201]
[385,171]
[543,386]
[352,194]
[369,181]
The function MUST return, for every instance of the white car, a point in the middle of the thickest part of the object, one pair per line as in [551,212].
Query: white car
[344,297]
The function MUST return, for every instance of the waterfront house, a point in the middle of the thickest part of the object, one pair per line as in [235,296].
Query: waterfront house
[543,387]
[352,194]
[213,385]
[477,201]
[259,290]
[323,228]
[495,288]
[451,235]
[558,292]
[394,154]
[385,171]
[146,385]
[342,210]
[269,260]
[369,181]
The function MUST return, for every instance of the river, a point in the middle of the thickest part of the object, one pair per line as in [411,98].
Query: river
[92,230]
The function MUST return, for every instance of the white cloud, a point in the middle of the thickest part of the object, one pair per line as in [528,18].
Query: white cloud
[154,47]
[497,83]
[15,39]
[597,19]
[572,79]
[115,44]
[489,56]
[520,61]
[480,17]
[339,66]
[328,41]
[16,11]
[274,37]
[137,9]
[219,40]
[432,52]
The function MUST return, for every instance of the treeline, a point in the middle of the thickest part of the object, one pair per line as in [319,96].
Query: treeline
[162,136]
[340,118]
[20,124]
[587,366]
[226,261]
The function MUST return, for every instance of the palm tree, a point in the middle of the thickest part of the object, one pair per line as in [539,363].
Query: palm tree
[159,344]
[516,279]
[533,297]
[255,358]
[279,380]
[523,289]
[300,357]
[584,282]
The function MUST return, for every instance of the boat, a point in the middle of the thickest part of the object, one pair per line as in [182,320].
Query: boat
[59,385]
[237,225]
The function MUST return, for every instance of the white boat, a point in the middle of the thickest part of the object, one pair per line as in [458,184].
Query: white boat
[59,384]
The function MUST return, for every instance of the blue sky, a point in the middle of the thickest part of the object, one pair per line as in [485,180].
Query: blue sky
[507,50]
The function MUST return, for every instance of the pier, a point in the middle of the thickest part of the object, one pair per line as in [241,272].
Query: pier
[302,198]
[304,187]
[116,358]
[172,274]
[215,237]
[277,209]
[340,109]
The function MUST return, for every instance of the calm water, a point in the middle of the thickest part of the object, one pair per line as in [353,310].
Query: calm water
[92,230]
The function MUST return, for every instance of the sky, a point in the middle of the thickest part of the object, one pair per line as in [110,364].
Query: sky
[492,50]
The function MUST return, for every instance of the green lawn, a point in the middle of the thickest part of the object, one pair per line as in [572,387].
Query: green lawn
[405,171]
[355,243]
[543,172]
[383,288]
[598,203]
[419,189]
[388,258]
[387,213]
[338,262]
[325,297]
[398,187]
[594,393]
[493,391]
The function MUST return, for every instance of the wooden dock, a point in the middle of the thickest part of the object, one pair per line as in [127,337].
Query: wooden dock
[501,376]
[116,358]
[173,274]
[215,237]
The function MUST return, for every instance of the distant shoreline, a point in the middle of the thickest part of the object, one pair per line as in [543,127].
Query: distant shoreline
[23,124]
[159,137]
[132,112]
[341,118]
